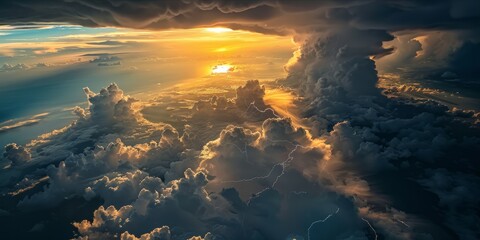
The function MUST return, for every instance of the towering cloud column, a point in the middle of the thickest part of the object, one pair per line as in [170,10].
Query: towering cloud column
[339,64]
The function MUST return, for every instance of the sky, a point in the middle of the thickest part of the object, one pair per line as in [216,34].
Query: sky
[41,57]
[225,119]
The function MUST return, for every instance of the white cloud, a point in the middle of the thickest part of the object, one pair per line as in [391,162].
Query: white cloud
[247,182]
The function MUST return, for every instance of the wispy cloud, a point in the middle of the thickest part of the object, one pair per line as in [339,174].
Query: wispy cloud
[13,124]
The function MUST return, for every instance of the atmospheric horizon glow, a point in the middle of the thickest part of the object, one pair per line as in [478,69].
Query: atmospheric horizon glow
[222,68]
[239,120]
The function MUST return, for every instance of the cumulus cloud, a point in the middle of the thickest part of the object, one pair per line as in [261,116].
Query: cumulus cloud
[248,104]
[21,66]
[106,60]
[8,67]
[109,64]
[103,58]
[130,178]
[162,233]
[16,154]
[183,200]
[252,92]
[90,165]
[367,133]
[246,183]
[94,136]
[348,171]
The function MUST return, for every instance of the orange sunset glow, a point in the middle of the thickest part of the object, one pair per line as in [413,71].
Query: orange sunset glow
[223,68]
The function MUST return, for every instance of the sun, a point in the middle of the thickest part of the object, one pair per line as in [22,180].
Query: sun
[222,68]
[218,30]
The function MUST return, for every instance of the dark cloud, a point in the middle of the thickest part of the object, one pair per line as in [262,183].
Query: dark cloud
[106,60]
[371,167]
[457,18]
[369,133]
[142,171]
[464,62]
[16,154]
[164,14]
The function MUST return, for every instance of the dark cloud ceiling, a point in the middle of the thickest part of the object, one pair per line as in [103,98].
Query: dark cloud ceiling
[297,15]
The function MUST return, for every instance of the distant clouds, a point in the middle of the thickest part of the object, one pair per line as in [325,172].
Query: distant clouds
[11,124]
[8,67]
[434,55]
[21,66]
[18,155]
[105,60]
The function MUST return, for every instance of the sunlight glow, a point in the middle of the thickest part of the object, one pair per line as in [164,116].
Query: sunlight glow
[221,49]
[218,30]
[223,68]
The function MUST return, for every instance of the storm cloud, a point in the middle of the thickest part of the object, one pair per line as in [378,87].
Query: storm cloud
[369,166]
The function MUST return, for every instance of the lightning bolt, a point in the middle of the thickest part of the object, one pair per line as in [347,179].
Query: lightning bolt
[244,151]
[402,222]
[283,165]
[320,221]
[371,227]
[252,104]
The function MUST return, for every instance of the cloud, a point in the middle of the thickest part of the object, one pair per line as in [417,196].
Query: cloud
[21,66]
[433,55]
[16,154]
[106,60]
[8,67]
[252,92]
[248,105]
[413,89]
[463,61]
[110,114]
[167,14]
[129,178]
[108,43]
[162,233]
[246,182]
[89,166]
[368,133]
[109,64]
[11,124]
[456,195]
[354,172]
[453,25]
[185,197]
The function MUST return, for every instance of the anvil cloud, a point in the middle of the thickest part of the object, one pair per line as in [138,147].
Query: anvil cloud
[368,166]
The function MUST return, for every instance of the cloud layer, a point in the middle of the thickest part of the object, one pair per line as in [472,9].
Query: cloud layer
[245,184]
[367,167]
